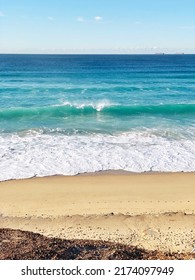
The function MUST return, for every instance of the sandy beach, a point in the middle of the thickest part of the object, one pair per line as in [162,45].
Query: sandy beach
[155,211]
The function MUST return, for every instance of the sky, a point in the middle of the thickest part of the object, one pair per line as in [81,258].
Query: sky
[97,26]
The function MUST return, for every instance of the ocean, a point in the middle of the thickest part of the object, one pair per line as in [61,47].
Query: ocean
[71,114]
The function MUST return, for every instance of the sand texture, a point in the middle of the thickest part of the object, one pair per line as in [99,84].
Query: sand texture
[154,211]
[22,245]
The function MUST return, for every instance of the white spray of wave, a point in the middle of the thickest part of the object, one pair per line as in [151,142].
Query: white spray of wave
[98,105]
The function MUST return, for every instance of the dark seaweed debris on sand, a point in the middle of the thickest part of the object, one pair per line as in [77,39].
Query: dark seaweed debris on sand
[24,245]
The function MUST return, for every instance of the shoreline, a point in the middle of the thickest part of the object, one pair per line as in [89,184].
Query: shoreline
[102,173]
[155,211]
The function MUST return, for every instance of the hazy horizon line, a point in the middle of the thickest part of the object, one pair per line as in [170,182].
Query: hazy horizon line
[158,53]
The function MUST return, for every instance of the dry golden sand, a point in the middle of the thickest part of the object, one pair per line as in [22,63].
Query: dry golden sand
[151,210]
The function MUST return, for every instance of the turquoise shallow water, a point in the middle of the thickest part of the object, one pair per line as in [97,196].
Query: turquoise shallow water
[90,103]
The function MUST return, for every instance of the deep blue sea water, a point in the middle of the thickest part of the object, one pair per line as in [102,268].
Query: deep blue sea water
[69,114]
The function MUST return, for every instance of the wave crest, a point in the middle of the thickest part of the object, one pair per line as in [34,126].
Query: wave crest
[69,109]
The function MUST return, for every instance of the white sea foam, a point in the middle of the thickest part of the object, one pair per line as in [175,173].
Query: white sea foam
[45,155]
[97,105]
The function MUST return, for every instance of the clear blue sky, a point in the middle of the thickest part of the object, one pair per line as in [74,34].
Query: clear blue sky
[96,26]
